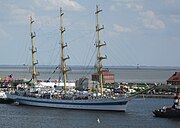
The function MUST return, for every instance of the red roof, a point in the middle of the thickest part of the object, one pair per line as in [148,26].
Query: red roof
[175,77]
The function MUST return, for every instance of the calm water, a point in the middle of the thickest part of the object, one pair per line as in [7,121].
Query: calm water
[121,75]
[138,115]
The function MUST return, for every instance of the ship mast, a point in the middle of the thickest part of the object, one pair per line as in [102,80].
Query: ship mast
[63,45]
[33,50]
[99,45]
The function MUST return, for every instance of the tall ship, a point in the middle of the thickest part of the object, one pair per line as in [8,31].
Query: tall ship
[71,99]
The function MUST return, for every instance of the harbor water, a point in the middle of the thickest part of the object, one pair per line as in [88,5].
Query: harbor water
[132,74]
[138,115]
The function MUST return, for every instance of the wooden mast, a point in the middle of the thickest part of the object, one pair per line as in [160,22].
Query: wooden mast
[33,50]
[63,45]
[99,45]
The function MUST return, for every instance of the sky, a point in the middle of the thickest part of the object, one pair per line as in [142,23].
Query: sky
[136,32]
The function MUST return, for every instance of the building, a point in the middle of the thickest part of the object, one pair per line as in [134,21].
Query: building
[85,84]
[108,77]
[174,79]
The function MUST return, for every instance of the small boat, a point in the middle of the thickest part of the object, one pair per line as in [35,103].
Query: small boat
[169,112]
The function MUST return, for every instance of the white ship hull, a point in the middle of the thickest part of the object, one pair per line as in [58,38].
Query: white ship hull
[105,104]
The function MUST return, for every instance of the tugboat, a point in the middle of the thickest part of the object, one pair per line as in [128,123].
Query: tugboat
[170,112]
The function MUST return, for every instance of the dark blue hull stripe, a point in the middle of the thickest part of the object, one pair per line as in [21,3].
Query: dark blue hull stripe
[66,103]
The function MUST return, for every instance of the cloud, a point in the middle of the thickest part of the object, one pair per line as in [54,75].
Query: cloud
[14,13]
[3,34]
[119,28]
[126,3]
[54,4]
[21,15]
[171,1]
[175,19]
[18,14]
[151,21]
[134,6]
[72,4]
[149,18]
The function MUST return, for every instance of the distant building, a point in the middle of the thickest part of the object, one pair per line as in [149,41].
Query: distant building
[85,83]
[174,79]
[108,77]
